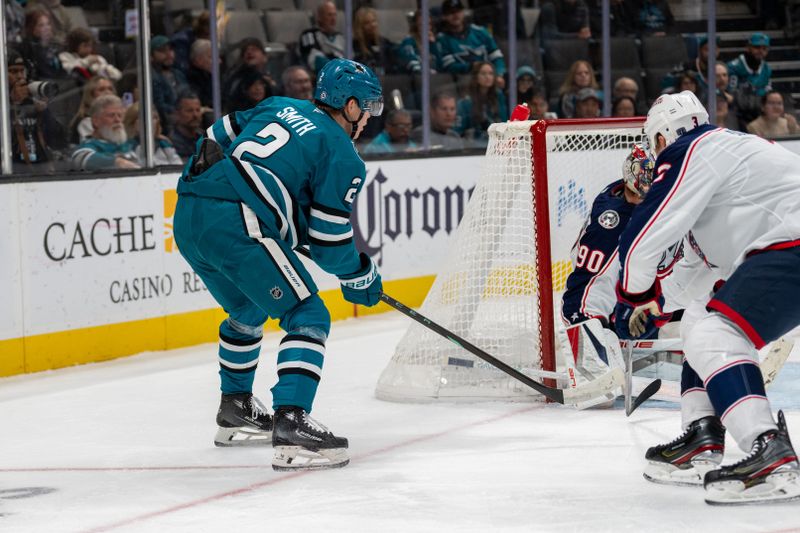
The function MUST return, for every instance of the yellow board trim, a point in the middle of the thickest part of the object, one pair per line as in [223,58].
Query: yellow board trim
[102,343]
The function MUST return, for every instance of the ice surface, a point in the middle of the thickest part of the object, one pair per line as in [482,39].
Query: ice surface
[127,446]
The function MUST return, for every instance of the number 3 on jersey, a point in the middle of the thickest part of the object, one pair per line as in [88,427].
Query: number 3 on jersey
[592,260]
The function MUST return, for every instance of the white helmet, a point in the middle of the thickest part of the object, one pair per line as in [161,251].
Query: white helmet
[672,115]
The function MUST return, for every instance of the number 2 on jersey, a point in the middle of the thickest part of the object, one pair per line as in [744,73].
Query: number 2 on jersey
[592,259]
[279,137]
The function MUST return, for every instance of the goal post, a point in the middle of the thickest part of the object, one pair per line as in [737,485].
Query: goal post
[508,261]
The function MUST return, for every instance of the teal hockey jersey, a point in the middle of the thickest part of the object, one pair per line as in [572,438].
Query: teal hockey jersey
[299,171]
[459,52]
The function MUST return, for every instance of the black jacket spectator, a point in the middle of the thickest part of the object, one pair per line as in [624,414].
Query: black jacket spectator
[39,46]
[565,19]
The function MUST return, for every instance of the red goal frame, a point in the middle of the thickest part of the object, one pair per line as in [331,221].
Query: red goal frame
[541,214]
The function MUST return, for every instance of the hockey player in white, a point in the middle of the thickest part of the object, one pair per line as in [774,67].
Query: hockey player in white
[737,198]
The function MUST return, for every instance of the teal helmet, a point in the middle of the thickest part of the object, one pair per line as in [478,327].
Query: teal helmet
[342,79]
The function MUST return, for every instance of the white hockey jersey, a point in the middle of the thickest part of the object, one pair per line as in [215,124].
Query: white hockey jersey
[730,193]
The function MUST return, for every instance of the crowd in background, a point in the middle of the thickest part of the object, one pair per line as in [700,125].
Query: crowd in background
[101,130]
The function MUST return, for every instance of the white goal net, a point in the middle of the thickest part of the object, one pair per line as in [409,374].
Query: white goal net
[508,261]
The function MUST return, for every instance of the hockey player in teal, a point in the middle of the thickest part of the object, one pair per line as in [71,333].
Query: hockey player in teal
[263,182]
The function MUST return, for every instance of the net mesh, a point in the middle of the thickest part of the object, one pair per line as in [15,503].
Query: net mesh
[487,289]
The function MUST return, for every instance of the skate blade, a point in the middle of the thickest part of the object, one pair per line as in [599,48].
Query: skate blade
[242,436]
[666,474]
[291,458]
[778,488]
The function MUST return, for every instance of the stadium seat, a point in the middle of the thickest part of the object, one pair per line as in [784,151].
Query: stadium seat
[241,24]
[77,17]
[662,52]
[393,24]
[173,6]
[408,5]
[124,54]
[264,5]
[401,82]
[286,26]
[624,53]
[553,80]
[237,5]
[530,17]
[652,82]
[561,54]
[106,50]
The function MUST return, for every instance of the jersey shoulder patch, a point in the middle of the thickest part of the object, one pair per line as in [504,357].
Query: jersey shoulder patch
[609,219]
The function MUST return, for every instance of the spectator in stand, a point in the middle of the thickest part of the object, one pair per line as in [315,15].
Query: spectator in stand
[773,122]
[725,117]
[540,107]
[623,106]
[443,118]
[699,67]
[395,136]
[527,83]
[15,21]
[407,53]
[686,81]
[655,18]
[461,46]
[297,83]
[59,18]
[253,87]
[751,68]
[320,44]
[80,60]
[188,119]
[565,19]
[167,81]
[623,14]
[587,103]
[723,82]
[370,48]
[198,28]
[252,58]
[109,146]
[39,46]
[580,76]
[80,127]
[163,151]
[627,87]
[483,105]
[36,135]
[750,78]
[198,78]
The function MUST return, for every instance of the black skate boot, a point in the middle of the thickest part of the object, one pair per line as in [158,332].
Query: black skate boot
[685,460]
[243,421]
[770,473]
[302,443]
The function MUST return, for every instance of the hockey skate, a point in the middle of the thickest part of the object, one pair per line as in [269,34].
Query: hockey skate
[243,421]
[302,443]
[770,473]
[685,460]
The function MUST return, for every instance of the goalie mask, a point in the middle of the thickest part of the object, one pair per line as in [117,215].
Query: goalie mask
[637,171]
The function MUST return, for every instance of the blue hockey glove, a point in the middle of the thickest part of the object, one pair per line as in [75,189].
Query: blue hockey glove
[363,287]
[638,316]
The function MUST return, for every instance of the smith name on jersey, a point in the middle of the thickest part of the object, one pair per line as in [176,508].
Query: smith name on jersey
[298,171]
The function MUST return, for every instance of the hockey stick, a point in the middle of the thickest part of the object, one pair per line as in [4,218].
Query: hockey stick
[653,387]
[554,394]
[590,390]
